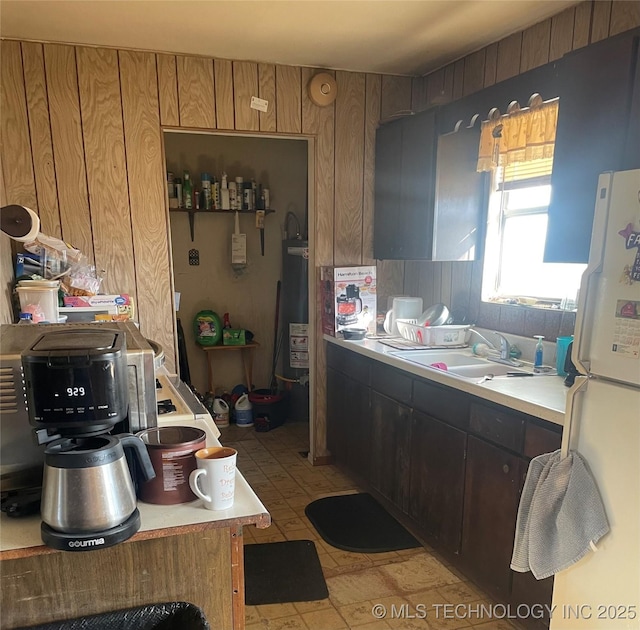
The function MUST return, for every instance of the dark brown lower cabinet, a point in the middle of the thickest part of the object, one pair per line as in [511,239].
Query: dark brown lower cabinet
[390,449]
[536,594]
[492,490]
[357,417]
[336,415]
[454,464]
[349,423]
[437,479]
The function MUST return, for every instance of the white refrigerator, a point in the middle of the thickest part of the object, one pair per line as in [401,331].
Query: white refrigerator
[602,421]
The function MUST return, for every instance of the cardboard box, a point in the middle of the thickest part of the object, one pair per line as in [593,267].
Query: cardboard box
[348,298]
[123,303]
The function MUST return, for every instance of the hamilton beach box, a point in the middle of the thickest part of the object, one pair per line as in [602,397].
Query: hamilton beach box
[348,298]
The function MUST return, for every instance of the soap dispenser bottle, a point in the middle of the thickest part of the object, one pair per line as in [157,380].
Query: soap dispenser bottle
[537,362]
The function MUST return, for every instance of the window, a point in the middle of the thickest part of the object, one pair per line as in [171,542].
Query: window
[514,270]
[518,150]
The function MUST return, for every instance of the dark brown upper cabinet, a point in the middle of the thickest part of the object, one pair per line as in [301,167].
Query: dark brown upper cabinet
[598,131]
[404,188]
[428,197]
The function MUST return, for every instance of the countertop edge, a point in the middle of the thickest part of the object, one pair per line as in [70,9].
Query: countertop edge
[492,391]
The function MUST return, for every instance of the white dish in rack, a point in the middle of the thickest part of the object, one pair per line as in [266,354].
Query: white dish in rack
[448,335]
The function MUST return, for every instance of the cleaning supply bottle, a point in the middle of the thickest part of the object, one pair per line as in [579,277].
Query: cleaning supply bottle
[537,362]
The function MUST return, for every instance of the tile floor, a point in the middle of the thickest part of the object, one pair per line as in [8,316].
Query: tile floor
[415,588]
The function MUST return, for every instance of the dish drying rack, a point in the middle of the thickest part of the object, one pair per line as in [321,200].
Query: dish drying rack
[452,335]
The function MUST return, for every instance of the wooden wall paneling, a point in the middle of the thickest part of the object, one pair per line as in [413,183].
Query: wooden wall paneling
[582,24]
[624,16]
[561,33]
[474,72]
[435,87]
[223,83]
[412,278]
[289,99]
[68,146]
[418,94]
[600,20]
[458,79]
[245,83]
[168,90]
[267,91]
[14,127]
[145,173]
[476,291]
[429,288]
[40,132]
[445,283]
[461,272]
[396,96]
[7,276]
[101,110]
[535,46]
[447,88]
[349,165]
[389,280]
[373,87]
[509,52]
[490,64]
[196,92]
[320,122]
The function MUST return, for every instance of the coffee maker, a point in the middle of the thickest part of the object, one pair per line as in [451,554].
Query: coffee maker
[77,390]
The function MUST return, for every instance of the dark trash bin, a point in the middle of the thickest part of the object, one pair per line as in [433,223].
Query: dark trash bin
[165,616]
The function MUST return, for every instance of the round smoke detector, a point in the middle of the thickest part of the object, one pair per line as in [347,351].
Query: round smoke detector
[322,89]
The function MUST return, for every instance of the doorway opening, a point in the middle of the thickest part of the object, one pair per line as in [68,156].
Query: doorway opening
[205,280]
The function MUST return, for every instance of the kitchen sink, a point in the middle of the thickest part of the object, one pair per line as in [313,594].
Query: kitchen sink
[450,358]
[487,367]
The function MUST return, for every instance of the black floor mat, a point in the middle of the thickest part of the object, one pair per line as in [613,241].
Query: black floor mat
[281,572]
[357,522]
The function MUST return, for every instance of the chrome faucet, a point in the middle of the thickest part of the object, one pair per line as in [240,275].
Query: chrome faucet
[504,352]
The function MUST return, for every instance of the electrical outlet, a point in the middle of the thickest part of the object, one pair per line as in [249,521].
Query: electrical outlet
[194,257]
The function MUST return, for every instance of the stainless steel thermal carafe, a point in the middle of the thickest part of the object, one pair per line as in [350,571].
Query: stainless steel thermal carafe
[87,484]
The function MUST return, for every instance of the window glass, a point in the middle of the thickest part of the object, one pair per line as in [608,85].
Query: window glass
[514,271]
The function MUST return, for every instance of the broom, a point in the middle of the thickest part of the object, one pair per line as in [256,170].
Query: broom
[277,341]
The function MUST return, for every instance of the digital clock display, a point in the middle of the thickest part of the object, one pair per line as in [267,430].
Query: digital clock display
[75,392]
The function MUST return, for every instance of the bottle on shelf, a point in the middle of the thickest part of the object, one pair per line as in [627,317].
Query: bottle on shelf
[187,191]
[205,180]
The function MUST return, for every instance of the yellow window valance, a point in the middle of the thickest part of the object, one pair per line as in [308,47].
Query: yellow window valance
[519,136]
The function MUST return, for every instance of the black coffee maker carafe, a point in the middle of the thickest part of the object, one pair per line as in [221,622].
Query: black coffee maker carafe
[77,389]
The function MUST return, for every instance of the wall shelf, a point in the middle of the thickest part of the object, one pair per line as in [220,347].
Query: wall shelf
[192,212]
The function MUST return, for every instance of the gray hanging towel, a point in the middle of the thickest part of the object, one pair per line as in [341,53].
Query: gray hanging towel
[560,516]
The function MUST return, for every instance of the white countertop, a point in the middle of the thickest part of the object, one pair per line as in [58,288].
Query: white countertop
[543,396]
[22,533]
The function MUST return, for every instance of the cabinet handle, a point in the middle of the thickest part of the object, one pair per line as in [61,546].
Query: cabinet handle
[505,468]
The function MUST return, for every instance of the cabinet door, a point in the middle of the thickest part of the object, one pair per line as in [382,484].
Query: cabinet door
[593,121]
[492,488]
[460,196]
[386,228]
[337,395]
[404,188]
[437,479]
[417,187]
[390,449]
[358,429]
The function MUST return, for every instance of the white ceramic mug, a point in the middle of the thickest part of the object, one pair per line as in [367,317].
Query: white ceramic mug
[403,308]
[214,478]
